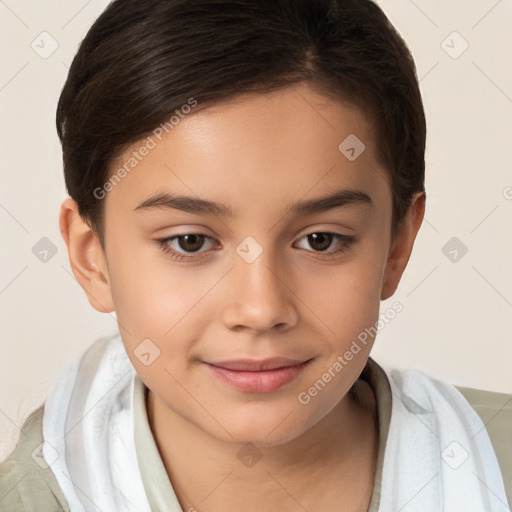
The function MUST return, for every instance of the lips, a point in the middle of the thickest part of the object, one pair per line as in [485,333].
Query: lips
[251,365]
[263,376]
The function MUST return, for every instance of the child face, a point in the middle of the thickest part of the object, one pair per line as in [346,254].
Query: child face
[254,285]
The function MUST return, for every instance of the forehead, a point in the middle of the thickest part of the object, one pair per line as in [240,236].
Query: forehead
[291,141]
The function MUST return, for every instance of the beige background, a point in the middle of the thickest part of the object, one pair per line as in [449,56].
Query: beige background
[457,316]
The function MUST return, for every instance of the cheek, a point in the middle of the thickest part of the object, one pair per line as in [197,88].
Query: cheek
[160,303]
[346,297]
[148,291]
[349,312]
[348,315]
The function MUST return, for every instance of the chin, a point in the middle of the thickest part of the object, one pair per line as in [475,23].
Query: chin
[263,429]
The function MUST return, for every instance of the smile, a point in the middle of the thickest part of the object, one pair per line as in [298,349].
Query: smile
[240,375]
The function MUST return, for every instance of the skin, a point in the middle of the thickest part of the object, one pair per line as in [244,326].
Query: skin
[256,154]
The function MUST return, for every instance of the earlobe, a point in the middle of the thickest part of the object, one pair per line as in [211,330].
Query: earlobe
[86,257]
[402,247]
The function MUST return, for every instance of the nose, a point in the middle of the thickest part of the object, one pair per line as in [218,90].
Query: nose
[260,297]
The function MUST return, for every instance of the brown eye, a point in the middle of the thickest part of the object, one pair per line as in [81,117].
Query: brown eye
[184,247]
[320,241]
[191,243]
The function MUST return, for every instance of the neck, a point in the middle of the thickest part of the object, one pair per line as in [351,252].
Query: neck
[336,457]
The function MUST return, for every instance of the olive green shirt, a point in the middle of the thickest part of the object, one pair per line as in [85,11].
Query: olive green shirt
[28,484]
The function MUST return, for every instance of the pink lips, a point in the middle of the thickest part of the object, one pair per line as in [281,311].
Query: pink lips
[258,376]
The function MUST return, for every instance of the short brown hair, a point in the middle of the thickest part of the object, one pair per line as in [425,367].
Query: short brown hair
[143,59]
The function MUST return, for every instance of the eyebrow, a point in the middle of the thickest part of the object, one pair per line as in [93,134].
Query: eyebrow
[337,199]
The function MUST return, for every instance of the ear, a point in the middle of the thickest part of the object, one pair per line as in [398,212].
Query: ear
[401,247]
[86,257]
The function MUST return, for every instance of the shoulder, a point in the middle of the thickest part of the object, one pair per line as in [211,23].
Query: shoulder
[495,411]
[26,481]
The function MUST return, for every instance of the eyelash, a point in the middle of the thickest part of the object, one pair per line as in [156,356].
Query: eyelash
[163,243]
